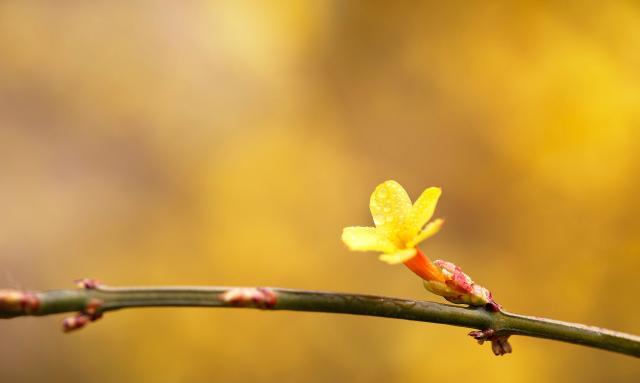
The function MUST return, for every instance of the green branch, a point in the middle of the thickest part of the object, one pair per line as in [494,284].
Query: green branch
[93,300]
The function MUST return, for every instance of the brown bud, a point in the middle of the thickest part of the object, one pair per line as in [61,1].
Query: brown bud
[75,322]
[499,343]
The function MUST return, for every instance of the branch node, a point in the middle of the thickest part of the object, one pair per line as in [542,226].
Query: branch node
[499,343]
[91,313]
[259,297]
[16,302]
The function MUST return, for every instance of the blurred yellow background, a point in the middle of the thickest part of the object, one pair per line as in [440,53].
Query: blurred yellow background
[228,143]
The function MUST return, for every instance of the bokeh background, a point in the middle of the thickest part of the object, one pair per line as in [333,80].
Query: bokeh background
[228,143]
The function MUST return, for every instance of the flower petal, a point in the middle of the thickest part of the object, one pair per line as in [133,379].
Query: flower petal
[422,210]
[429,231]
[361,238]
[398,257]
[389,206]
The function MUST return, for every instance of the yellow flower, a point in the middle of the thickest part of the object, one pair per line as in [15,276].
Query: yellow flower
[400,225]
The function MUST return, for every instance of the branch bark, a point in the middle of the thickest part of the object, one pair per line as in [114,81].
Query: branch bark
[93,300]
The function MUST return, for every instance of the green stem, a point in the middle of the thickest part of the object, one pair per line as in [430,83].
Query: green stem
[101,299]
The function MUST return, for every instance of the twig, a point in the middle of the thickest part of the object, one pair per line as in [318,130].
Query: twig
[94,299]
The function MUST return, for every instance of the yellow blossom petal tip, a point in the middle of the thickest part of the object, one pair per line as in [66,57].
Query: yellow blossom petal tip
[359,238]
[422,210]
[389,206]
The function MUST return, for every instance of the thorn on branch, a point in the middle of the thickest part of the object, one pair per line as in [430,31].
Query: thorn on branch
[499,343]
[259,297]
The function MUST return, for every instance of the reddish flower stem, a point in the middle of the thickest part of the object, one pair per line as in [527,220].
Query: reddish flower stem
[422,266]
